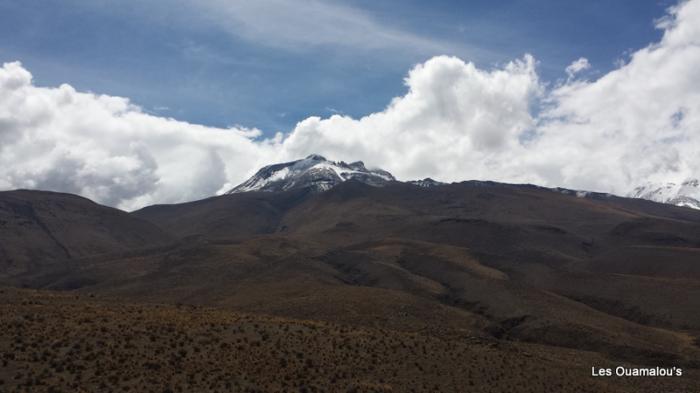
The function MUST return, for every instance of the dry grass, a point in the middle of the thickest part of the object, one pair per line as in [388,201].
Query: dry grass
[64,343]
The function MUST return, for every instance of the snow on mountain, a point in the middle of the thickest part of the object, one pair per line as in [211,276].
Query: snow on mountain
[313,171]
[685,194]
[425,183]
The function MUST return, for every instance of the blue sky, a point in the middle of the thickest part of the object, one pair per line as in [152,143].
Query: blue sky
[270,64]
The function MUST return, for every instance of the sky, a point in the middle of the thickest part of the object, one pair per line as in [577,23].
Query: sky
[271,63]
[133,103]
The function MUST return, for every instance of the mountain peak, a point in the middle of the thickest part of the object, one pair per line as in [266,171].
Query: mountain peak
[314,172]
[315,157]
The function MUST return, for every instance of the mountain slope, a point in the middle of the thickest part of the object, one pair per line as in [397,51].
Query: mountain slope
[41,230]
[578,270]
[232,216]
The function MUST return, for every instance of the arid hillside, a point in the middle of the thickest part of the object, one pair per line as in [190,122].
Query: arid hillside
[58,342]
[577,280]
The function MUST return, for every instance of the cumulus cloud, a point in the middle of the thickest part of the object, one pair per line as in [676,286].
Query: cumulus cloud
[107,149]
[455,121]
[638,123]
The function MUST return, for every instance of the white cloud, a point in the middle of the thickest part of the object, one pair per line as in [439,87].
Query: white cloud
[455,121]
[638,123]
[109,150]
[577,66]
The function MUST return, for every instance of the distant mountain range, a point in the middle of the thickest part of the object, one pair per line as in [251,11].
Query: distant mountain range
[318,174]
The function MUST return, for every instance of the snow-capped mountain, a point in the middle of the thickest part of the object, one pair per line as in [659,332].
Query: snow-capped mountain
[313,171]
[320,174]
[685,194]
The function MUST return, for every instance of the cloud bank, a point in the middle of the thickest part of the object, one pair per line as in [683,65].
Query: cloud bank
[638,123]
